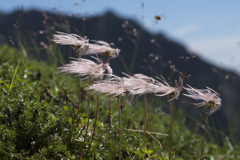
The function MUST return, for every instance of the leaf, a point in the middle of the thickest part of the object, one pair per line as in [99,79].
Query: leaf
[65,108]
[14,74]
[150,151]
[3,81]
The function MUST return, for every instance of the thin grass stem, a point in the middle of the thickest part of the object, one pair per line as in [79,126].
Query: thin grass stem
[15,71]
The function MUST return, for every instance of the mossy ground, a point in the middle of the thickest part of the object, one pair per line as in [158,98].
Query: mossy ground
[44,120]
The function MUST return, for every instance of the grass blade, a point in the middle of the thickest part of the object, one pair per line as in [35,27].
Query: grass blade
[14,74]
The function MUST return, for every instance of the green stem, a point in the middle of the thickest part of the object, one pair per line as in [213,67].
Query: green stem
[120,127]
[135,54]
[89,112]
[124,64]
[171,132]
[109,115]
[205,133]
[79,100]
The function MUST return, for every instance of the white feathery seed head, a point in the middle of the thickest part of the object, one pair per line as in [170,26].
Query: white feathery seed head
[75,40]
[101,47]
[113,86]
[140,84]
[86,68]
[167,90]
[208,96]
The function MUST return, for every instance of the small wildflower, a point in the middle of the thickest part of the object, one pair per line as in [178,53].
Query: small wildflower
[86,68]
[208,96]
[166,89]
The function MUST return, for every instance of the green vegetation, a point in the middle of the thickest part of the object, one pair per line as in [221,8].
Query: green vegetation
[43,107]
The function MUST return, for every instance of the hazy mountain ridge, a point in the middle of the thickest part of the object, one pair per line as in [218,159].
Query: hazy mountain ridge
[109,28]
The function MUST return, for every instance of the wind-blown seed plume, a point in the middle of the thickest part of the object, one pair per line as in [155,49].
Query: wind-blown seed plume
[75,40]
[101,47]
[208,97]
[166,89]
[86,68]
[114,86]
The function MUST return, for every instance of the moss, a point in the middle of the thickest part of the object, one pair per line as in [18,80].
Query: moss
[44,126]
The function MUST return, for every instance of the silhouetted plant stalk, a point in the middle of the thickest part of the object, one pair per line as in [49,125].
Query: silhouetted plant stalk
[120,126]
[89,112]
[134,54]
[205,131]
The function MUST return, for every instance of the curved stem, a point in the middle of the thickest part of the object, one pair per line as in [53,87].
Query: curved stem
[95,121]
[89,111]
[120,127]
[205,132]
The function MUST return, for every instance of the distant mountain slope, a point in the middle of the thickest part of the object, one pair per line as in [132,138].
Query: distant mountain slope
[110,28]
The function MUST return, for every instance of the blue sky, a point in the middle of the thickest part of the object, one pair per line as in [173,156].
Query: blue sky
[209,28]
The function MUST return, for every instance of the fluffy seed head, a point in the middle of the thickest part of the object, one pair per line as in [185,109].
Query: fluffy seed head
[101,47]
[114,87]
[75,40]
[86,68]
[208,96]
[167,90]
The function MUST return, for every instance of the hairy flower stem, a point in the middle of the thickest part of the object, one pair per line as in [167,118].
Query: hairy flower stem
[204,133]
[79,96]
[79,100]
[171,131]
[109,115]
[146,117]
[120,127]
[89,111]
[95,121]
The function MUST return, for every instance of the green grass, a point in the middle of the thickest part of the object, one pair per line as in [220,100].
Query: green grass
[44,127]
